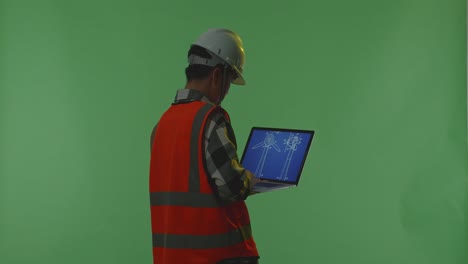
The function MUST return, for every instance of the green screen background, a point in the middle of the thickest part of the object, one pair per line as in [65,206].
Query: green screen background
[383,84]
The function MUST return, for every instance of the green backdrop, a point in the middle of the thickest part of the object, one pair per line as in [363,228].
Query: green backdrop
[383,83]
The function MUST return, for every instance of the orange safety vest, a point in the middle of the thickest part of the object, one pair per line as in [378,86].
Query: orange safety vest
[189,223]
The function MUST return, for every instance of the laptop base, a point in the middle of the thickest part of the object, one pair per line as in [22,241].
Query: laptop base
[268,187]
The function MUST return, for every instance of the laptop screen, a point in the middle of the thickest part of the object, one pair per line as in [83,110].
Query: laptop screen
[277,154]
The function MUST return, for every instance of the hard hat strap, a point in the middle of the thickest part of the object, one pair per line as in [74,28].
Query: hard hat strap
[213,61]
[224,83]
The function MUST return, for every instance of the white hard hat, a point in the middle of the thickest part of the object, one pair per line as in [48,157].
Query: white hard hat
[226,46]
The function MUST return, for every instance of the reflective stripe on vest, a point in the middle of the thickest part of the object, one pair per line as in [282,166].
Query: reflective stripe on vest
[183,199]
[195,199]
[202,241]
[194,178]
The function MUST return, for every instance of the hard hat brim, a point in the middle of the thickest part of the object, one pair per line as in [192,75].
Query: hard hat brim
[240,79]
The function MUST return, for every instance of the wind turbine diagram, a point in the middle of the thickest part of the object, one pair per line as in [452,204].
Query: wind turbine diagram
[268,143]
[291,146]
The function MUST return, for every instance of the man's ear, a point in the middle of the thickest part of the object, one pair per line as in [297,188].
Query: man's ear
[216,75]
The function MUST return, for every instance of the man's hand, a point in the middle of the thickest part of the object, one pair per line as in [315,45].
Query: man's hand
[253,181]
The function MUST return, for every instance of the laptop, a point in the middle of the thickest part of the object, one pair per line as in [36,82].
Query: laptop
[276,156]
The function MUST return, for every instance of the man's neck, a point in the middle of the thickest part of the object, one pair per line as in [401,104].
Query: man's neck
[200,87]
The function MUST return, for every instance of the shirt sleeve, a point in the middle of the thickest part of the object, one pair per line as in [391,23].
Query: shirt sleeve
[231,180]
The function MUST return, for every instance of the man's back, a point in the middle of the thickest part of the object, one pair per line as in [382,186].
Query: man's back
[190,224]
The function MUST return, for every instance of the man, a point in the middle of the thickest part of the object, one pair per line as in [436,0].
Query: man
[197,186]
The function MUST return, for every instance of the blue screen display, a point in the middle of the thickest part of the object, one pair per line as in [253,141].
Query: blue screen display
[276,155]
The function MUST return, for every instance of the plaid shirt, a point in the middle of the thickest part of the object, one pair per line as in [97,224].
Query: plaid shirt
[231,180]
